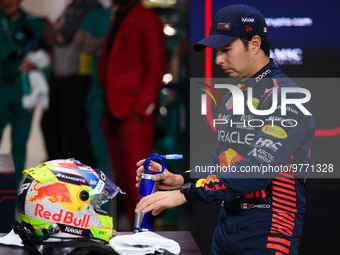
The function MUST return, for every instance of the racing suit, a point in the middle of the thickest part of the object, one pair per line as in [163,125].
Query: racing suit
[258,215]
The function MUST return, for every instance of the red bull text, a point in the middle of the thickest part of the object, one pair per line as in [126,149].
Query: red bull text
[62,216]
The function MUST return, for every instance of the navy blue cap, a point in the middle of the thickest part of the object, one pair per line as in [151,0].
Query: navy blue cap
[230,23]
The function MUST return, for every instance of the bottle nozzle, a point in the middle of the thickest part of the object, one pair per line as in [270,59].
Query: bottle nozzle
[173,156]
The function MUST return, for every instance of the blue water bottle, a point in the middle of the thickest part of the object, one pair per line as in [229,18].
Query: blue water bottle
[146,221]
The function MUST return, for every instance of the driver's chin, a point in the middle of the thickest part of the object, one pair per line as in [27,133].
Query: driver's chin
[232,75]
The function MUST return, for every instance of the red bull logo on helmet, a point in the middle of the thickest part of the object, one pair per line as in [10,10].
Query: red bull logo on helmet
[65,194]
[57,192]
[63,216]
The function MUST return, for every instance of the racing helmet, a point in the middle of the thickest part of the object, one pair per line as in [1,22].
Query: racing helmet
[62,199]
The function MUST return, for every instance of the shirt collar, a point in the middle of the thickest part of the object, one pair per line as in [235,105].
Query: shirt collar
[267,71]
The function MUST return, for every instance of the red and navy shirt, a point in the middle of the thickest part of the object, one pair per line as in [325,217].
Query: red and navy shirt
[267,204]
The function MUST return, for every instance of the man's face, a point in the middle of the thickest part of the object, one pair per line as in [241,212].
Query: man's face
[235,60]
[9,7]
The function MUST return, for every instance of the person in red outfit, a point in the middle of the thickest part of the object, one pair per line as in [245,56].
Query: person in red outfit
[130,70]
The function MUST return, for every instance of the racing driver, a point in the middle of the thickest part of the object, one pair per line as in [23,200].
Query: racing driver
[258,216]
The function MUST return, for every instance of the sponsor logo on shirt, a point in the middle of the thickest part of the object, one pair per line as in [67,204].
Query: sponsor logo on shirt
[254,206]
[216,187]
[274,131]
[229,104]
[289,109]
[262,75]
[255,102]
[262,154]
[235,137]
[206,181]
[268,143]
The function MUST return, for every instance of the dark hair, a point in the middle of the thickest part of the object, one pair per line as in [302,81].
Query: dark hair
[265,43]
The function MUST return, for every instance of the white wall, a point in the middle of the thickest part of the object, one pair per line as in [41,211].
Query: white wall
[45,8]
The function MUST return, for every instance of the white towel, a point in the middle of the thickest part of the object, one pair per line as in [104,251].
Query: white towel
[150,242]
[11,239]
[39,91]
[40,59]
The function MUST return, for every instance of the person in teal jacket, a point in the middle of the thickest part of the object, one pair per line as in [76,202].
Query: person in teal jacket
[90,39]
[20,33]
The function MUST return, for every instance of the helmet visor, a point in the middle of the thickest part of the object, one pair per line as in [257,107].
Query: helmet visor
[104,191]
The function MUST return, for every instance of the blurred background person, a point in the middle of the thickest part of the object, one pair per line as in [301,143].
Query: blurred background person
[21,34]
[65,124]
[90,39]
[130,70]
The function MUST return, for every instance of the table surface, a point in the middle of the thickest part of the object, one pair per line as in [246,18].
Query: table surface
[184,238]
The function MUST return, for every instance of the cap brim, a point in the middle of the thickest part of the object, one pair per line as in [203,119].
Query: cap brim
[214,41]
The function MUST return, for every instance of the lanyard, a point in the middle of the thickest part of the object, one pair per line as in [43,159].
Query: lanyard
[5,27]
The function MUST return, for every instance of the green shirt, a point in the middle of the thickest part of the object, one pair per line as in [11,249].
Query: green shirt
[17,38]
